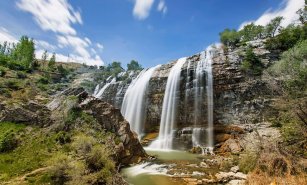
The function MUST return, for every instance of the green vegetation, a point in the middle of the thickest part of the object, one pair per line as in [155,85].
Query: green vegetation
[134,66]
[251,64]
[293,66]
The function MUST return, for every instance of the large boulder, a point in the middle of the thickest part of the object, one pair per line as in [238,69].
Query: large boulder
[130,149]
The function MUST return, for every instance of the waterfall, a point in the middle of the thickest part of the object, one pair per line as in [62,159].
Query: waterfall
[96,90]
[204,66]
[101,91]
[167,123]
[209,89]
[133,107]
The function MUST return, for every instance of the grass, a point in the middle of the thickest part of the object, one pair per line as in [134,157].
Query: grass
[35,148]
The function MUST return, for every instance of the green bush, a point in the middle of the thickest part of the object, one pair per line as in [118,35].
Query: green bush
[251,64]
[8,141]
[293,66]
[248,161]
[2,71]
[60,166]
[13,84]
[43,80]
[21,75]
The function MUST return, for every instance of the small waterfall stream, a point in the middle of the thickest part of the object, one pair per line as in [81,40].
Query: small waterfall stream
[133,105]
[167,123]
[101,91]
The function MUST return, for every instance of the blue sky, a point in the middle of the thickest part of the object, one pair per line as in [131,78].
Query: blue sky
[150,31]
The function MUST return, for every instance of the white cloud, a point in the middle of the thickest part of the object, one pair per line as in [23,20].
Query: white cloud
[6,36]
[162,7]
[288,9]
[100,46]
[142,8]
[44,45]
[54,15]
[59,17]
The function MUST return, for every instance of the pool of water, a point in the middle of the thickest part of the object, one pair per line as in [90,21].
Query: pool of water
[156,172]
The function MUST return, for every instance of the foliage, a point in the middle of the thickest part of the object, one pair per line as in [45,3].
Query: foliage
[230,37]
[8,140]
[2,71]
[287,38]
[115,68]
[51,64]
[303,14]
[43,80]
[248,161]
[251,64]
[293,66]
[133,66]
[272,28]
[23,53]
[251,32]
[21,75]
[13,84]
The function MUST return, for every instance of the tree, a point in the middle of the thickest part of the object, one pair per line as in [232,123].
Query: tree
[134,65]
[230,37]
[24,51]
[303,14]
[273,26]
[51,63]
[251,32]
[45,56]
[115,68]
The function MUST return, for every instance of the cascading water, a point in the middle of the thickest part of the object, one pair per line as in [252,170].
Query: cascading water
[134,101]
[169,108]
[204,66]
[209,89]
[101,91]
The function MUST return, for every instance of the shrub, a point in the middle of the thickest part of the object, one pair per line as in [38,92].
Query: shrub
[293,66]
[98,159]
[2,71]
[251,64]
[60,166]
[13,84]
[63,137]
[248,161]
[21,75]
[8,142]
[43,80]
[83,144]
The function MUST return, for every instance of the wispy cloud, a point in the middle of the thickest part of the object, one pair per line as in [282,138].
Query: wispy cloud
[142,8]
[59,17]
[162,7]
[5,35]
[287,9]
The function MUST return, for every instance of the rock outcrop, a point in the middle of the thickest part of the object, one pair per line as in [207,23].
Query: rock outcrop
[129,150]
[30,113]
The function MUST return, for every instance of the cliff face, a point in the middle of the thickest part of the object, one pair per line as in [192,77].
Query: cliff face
[238,98]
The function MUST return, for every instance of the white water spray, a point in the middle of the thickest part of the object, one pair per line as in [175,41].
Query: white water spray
[169,108]
[133,107]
